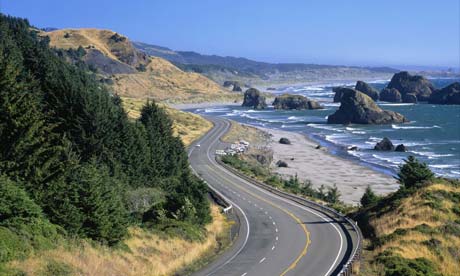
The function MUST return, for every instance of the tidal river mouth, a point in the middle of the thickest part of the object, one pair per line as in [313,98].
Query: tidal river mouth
[432,136]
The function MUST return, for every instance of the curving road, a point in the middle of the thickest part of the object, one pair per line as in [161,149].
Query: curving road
[277,236]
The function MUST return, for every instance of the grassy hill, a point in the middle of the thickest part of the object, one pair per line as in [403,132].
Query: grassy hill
[130,72]
[416,231]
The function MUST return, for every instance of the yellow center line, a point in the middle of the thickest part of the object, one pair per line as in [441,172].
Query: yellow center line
[304,228]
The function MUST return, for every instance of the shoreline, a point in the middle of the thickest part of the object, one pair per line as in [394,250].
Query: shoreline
[322,167]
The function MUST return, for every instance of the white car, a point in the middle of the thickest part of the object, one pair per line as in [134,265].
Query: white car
[198,146]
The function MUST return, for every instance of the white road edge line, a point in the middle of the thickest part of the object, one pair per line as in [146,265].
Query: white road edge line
[261,261]
[245,219]
[289,202]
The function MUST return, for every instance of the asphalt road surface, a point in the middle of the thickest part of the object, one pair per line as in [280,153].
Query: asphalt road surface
[277,236]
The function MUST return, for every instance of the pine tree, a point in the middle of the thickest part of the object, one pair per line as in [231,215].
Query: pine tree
[413,173]
[369,197]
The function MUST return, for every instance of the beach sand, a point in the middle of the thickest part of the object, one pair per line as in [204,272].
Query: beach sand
[323,168]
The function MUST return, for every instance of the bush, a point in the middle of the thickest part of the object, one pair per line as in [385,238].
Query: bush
[413,173]
[54,268]
[395,265]
[23,228]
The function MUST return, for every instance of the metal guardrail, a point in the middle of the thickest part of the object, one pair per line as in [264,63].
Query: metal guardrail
[216,195]
[352,264]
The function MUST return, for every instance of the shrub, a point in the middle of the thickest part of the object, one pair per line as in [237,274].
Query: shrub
[413,173]
[23,228]
[333,194]
[54,268]
[395,265]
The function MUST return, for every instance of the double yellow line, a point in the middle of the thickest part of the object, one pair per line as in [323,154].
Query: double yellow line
[304,228]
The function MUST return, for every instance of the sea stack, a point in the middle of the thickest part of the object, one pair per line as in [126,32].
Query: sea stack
[288,101]
[367,89]
[406,83]
[358,108]
[254,99]
[448,95]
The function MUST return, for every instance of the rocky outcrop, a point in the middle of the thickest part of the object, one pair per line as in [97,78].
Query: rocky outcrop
[367,89]
[338,93]
[384,145]
[254,99]
[281,164]
[288,101]
[236,86]
[401,148]
[448,95]
[284,141]
[390,95]
[407,83]
[314,105]
[358,108]
[409,98]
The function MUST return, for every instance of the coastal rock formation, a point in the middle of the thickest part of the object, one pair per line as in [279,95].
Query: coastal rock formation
[409,98]
[367,89]
[338,93]
[284,141]
[358,108]
[448,95]
[234,85]
[406,83]
[401,148]
[390,95]
[288,101]
[384,145]
[254,99]
[281,164]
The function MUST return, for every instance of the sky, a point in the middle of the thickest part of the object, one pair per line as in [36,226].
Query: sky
[347,32]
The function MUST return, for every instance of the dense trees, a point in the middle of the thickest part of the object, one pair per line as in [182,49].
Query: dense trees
[71,155]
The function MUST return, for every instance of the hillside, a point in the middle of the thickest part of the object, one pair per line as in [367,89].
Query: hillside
[417,230]
[188,126]
[130,72]
[81,183]
[248,71]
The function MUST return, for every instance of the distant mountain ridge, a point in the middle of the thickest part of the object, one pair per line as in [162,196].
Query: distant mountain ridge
[219,68]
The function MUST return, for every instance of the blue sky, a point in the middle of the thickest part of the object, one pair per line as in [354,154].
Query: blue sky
[353,32]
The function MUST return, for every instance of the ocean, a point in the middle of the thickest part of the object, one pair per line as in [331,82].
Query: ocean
[432,135]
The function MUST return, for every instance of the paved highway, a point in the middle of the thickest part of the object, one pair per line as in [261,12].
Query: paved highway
[277,236]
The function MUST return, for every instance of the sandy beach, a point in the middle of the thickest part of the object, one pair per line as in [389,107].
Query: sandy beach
[323,168]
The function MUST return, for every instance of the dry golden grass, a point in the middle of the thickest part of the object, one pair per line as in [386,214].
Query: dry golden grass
[99,39]
[243,132]
[149,254]
[414,211]
[161,81]
[186,125]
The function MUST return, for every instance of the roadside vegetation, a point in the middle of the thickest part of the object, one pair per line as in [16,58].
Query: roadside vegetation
[414,231]
[186,125]
[327,195]
[79,180]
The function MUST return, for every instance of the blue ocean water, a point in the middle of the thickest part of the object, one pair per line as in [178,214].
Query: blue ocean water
[433,134]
